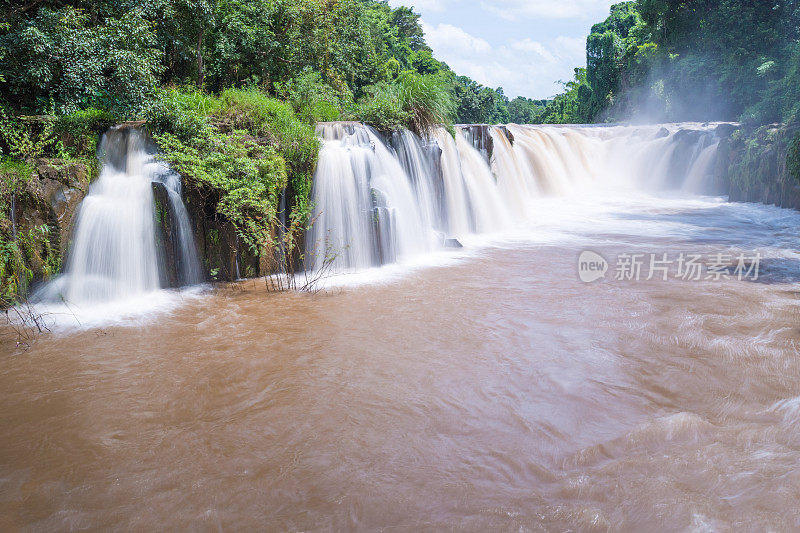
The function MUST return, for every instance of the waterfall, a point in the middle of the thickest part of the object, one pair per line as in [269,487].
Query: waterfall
[700,169]
[380,200]
[115,253]
[188,269]
[367,209]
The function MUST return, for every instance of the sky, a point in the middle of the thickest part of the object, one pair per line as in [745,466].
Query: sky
[524,46]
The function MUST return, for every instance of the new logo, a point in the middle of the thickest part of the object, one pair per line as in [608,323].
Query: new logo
[591,266]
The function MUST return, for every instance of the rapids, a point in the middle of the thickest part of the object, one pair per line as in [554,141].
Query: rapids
[480,389]
[380,201]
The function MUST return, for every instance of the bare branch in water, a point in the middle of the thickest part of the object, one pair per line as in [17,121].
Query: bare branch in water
[23,322]
[285,277]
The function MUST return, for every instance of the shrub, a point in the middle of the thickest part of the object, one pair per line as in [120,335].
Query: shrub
[26,141]
[381,107]
[184,113]
[416,101]
[275,123]
[428,99]
[241,150]
[312,99]
[244,176]
[79,131]
[244,147]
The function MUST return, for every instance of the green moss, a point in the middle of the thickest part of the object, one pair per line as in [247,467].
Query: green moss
[14,174]
[14,272]
[25,256]
[750,166]
[763,162]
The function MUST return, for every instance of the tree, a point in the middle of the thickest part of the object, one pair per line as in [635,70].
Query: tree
[409,29]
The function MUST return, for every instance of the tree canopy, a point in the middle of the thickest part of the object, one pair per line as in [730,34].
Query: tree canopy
[61,56]
[690,60]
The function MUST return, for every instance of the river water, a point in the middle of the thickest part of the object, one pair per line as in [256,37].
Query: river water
[490,389]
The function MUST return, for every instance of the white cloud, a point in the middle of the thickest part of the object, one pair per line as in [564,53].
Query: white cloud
[514,9]
[558,9]
[523,67]
[524,46]
[448,39]
[419,6]
[571,49]
[529,46]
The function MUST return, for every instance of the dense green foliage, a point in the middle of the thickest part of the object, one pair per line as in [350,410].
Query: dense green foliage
[352,59]
[689,60]
[245,175]
[68,141]
[418,101]
[240,150]
[230,89]
[477,104]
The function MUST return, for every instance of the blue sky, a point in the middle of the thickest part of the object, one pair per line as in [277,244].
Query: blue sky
[524,46]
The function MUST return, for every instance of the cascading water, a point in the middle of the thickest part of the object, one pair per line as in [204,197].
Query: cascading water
[115,253]
[188,271]
[366,209]
[382,200]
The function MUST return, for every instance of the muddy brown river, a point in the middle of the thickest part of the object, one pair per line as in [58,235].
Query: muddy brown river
[493,391]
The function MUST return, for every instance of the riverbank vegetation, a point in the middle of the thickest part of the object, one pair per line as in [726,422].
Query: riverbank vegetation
[42,156]
[688,60]
[696,60]
[230,90]
[241,151]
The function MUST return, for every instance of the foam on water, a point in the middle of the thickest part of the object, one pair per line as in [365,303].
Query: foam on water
[114,268]
[539,184]
[386,207]
[134,311]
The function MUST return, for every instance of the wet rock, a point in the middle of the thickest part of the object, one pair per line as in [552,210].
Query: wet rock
[43,212]
[757,167]
[452,243]
[508,134]
[60,190]
[725,130]
[215,237]
[166,236]
[385,235]
[479,135]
